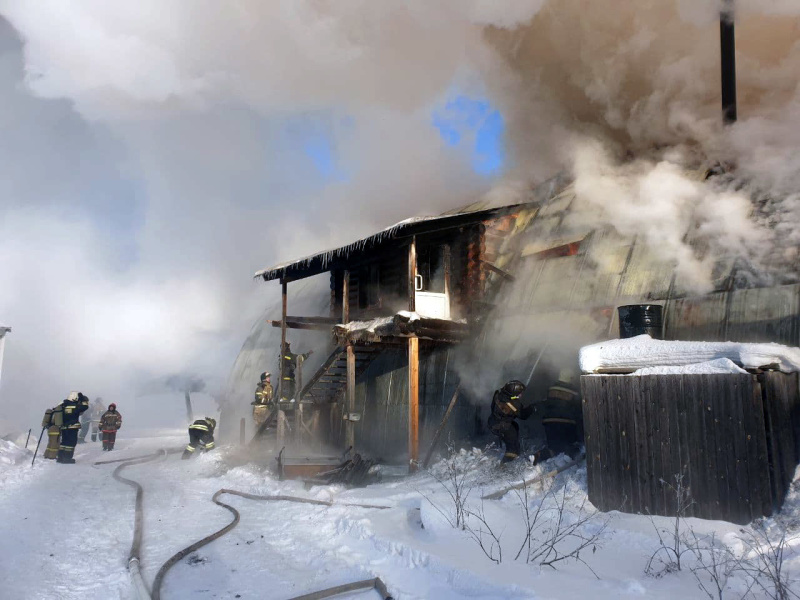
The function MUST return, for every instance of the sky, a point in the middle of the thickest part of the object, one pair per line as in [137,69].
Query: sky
[156,155]
[113,277]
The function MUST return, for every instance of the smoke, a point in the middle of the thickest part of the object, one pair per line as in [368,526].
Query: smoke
[157,154]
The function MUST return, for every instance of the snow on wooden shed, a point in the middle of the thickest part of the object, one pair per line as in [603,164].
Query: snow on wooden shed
[733,434]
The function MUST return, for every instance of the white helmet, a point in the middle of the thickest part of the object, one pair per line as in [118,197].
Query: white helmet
[72,396]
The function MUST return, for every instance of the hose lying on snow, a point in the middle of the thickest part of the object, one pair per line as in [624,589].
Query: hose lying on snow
[374,583]
[367,584]
[133,557]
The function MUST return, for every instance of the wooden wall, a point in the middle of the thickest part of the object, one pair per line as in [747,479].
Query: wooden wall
[735,437]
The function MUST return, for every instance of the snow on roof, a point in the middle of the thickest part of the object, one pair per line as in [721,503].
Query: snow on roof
[643,351]
[710,367]
[404,227]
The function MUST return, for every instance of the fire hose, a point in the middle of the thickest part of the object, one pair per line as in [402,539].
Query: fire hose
[134,559]
[368,584]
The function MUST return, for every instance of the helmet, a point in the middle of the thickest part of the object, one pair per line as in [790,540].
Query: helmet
[265,375]
[514,387]
[566,375]
[212,422]
[73,396]
[112,406]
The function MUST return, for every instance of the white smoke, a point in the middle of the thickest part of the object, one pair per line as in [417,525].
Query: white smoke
[176,123]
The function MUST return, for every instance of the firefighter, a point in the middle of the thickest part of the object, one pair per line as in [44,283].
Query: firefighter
[201,435]
[71,409]
[52,421]
[507,407]
[562,418]
[263,399]
[96,414]
[289,360]
[110,423]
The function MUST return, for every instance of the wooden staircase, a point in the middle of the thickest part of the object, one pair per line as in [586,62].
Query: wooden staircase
[330,380]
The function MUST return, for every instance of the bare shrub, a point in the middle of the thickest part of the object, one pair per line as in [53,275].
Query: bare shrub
[765,562]
[481,531]
[454,481]
[715,563]
[556,532]
[667,558]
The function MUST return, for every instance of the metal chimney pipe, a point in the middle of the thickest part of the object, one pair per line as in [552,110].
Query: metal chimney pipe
[727,41]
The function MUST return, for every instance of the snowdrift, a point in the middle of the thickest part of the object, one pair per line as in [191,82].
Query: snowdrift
[643,352]
[11,454]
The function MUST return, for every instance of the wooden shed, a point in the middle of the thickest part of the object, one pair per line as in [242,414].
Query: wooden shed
[733,436]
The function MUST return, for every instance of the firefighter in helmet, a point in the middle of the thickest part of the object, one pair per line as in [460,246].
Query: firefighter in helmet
[562,418]
[201,436]
[71,410]
[507,407]
[289,361]
[263,399]
[110,423]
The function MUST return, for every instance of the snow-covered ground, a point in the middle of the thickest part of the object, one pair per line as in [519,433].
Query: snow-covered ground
[65,532]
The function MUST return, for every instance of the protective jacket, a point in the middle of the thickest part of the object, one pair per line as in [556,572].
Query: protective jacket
[71,411]
[562,405]
[201,435]
[264,393]
[507,407]
[288,361]
[110,421]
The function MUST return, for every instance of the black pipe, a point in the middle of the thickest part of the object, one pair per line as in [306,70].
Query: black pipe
[727,41]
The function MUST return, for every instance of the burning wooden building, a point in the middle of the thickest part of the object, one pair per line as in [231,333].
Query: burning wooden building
[408,307]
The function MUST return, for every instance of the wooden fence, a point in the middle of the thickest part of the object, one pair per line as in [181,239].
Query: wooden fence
[735,438]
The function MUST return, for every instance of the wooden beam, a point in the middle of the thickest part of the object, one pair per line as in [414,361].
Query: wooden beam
[293,324]
[346,297]
[413,404]
[284,305]
[350,406]
[439,431]
[412,274]
[446,261]
[504,274]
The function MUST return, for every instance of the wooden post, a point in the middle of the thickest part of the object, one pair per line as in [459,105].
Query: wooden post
[346,297]
[284,303]
[446,261]
[350,406]
[412,273]
[281,430]
[413,403]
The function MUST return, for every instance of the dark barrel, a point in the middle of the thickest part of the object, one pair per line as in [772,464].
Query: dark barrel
[636,319]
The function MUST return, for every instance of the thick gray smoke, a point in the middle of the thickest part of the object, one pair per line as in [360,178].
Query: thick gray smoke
[154,152]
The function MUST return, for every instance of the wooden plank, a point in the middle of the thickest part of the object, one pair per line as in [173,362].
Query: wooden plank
[413,402]
[719,395]
[758,453]
[625,389]
[350,440]
[672,461]
[284,303]
[412,273]
[688,441]
[441,427]
[602,442]
[735,441]
[642,447]
[589,403]
[612,492]
[346,297]
[772,423]
[447,274]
